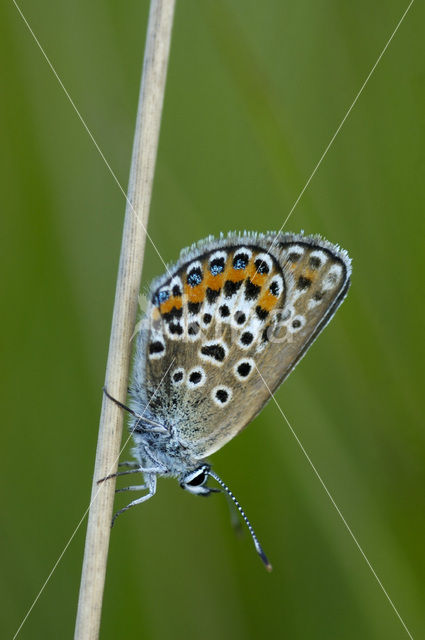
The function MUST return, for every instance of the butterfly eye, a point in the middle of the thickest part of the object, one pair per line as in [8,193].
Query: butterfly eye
[194,481]
[197,480]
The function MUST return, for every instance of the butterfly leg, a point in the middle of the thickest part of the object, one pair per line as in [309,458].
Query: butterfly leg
[120,473]
[133,487]
[131,464]
[151,482]
[153,470]
[158,466]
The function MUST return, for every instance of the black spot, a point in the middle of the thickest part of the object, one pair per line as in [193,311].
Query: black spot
[303,283]
[224,311]
[217,266]
[294,256]
[173,313]
[251,290]
[261,313]
[265,334]
[261,266]
[212,294]
[247,338]
[178,376]
[215,351]
[230,288]
[318,296]
[195,377]
[193,328]
[296,324]
[197,480]
[193,307]
[240,261]
[195,277]
[176,291]
[156,347]
[222,395]
[175,328]
[274,289]
[315,262]
[240,317]
[207,317]
[244,369]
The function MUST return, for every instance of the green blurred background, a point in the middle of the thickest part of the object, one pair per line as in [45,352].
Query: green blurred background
[255,92]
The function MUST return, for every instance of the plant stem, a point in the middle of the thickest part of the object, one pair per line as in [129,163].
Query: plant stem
[124,315]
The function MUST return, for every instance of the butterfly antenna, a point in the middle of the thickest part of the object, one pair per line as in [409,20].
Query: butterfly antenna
[258,547]
[159,427]
[120,404]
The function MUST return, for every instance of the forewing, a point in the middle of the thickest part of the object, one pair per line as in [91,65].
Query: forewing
[229,322]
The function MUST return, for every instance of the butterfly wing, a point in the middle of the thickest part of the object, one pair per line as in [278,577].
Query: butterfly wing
[227,324]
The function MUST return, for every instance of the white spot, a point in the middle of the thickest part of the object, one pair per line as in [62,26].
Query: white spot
[207,310]
[296,251]
[221,395]
[171,329]
[249,334]
[276,286]
[297,293]
[224,310]
[177,376]
[313,303]
[242,250]
[265,257]
[176,282]
[217,255]
[196,378]
[332,277]
[246,366]
[193,331]
[321,256]
[239,318]
[286,314]
[194,266]
[242,307]
[296,324]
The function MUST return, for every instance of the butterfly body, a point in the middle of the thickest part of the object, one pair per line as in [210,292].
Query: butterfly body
[163,453]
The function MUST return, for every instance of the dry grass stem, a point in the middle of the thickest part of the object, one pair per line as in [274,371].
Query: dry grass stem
[124,314]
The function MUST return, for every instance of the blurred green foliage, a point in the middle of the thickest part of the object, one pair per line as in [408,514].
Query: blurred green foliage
[255,93]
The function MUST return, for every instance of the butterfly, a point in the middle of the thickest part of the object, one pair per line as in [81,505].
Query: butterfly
[224,327]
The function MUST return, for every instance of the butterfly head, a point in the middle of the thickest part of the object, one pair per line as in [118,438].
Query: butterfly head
[195,481]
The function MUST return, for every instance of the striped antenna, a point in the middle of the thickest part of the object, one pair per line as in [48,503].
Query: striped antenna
[258,547]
